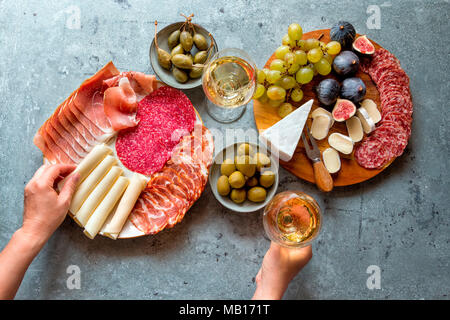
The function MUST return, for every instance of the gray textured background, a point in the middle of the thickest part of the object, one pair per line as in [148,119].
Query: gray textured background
[398,220]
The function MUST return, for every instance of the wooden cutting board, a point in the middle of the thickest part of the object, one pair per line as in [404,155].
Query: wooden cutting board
[300,165]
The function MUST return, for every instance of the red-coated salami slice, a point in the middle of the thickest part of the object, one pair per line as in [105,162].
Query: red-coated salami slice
[164,117]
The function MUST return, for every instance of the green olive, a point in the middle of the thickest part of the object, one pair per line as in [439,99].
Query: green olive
[178,49]
[189,55]
[246,165]
[267,179]
[200,41]
[257,194]
[179,75]
[196,72]
[227,167]
[174,39]
[261,160]
[238,195]
[236,179]
[200,57]
[252,182]
[223,186]
[244,148]
[182,61]
[164,59]
[186,40]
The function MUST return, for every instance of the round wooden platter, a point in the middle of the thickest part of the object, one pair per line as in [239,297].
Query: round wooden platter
[300,165]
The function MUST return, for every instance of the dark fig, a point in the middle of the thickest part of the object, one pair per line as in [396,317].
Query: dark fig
[344,33]
[346,63]
[328,91]
[353,89]
[363,46]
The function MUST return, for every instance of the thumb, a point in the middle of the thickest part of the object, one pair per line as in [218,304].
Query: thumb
[65,196]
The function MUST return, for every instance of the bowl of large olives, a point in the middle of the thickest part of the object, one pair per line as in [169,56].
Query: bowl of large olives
[179,52]
[244,177]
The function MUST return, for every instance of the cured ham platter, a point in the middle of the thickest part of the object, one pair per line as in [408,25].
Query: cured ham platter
[141,150]
[380,106]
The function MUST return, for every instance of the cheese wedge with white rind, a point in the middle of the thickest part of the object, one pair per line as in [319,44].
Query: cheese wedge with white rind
[100,214]
[85,167]
[126,204]
[321,111]
[331,160]
[372,110]
[320,126]
[86,187]
[354,129]
[367,123]
[341,143]
[282,138]
[93,200]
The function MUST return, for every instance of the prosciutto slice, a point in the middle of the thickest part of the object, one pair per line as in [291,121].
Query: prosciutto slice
[92,114]
[120,105]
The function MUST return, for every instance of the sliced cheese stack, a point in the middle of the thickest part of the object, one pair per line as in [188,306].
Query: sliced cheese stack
[86,187]
[98,217]
[85,167]
[96,196]
[116,222]
[104,194]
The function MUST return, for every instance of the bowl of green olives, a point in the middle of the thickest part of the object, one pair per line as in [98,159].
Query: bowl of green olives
[178,53]
[244,177]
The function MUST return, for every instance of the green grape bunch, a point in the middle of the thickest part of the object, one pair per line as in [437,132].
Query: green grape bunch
[296,63]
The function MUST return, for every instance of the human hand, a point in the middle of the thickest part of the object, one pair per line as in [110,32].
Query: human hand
[44,208]
[279,267]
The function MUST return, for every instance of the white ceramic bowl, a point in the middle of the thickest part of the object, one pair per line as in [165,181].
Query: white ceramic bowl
[247,205]
[166,75]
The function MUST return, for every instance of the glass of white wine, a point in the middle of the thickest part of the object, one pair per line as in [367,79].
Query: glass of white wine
[292,219]
[229,82]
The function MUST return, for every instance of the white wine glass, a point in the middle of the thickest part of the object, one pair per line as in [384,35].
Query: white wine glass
[292,219]
[229,82]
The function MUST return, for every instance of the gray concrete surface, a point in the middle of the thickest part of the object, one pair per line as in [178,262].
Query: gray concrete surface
[398,221]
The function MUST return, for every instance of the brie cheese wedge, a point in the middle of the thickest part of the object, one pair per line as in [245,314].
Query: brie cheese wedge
[282,138]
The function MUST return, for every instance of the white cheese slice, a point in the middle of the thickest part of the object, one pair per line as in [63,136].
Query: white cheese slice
[282,138]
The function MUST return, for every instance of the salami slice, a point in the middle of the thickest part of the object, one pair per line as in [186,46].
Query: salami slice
[371,153]
[164,117]
[391,136]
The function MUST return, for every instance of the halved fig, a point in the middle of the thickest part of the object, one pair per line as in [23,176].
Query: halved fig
[341,143]
[343,109]
[371,107]
[320,126]
[367,123]
[355,129]
[331,160]
[363,45]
